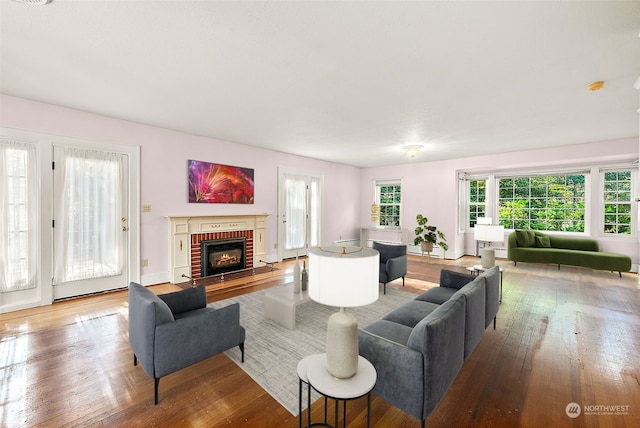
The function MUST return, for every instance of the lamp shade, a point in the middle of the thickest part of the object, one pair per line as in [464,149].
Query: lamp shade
[488,233]
[344,276]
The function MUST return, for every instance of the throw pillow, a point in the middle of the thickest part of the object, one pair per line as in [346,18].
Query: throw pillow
[525,238]
[543,242]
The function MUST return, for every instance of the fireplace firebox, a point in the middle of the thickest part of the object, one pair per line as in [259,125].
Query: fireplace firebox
[223,255]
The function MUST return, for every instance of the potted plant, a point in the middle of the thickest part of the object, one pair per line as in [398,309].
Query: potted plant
[427,236]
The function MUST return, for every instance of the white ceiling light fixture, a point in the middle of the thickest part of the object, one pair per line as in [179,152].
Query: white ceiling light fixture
[413,150]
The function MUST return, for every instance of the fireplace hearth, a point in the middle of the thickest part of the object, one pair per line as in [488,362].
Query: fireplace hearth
[222,255]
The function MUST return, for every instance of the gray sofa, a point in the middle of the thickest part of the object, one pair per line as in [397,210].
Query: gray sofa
[393,262]
[419,348]
[169,332]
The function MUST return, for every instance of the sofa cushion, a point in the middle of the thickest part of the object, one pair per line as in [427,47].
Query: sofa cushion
[411,313]
[437,295]
[452,279]
[525,238]
[543,242]
[389,330]
[440,339]
[474,294]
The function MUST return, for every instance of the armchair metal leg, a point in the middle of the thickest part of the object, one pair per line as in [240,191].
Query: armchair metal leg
[403,281]
[423,423]
[242,351]
[156,383]
[494,322]
[384,288]
[135,360]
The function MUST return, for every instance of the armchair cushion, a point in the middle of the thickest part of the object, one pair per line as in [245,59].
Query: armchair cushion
[185,300]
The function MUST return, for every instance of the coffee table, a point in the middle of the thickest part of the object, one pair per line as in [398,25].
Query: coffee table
[280,303]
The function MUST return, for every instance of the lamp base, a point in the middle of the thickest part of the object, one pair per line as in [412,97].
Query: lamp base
[487,258]
[342,344]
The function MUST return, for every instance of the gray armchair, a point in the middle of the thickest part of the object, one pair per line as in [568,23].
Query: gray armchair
[393,262]
[172,331]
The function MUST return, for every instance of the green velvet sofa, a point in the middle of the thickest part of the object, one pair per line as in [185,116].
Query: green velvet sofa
[537,247]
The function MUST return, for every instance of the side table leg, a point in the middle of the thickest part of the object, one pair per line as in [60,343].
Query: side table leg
[344,414]
[369,410]
[308,404]
[325,409]
[299,403]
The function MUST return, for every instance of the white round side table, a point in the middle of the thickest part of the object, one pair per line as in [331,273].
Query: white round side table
[357,386]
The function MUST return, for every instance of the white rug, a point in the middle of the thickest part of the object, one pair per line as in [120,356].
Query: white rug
[272,352]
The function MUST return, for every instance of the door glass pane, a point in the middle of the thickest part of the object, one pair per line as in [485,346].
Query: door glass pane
[89,223]
[296,213]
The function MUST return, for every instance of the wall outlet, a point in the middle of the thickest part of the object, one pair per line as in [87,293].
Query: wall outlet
[275,246]
[146,208]
[145,262]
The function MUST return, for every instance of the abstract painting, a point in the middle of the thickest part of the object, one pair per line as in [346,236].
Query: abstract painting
[213,183]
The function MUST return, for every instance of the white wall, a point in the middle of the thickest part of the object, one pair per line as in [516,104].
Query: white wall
[163,171]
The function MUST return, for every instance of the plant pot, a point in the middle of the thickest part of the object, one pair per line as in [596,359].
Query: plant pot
[426,247]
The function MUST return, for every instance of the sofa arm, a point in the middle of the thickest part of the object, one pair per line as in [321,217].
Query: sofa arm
[397,267]
[400,372]
[195,336]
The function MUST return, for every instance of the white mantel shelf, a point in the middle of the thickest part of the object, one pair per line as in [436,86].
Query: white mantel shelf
[182,227]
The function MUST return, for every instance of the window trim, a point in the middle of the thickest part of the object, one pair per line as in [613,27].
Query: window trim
[377,183]
[594,196]
[599,226]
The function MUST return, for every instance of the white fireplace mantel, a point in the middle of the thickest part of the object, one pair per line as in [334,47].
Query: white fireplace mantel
[182,227]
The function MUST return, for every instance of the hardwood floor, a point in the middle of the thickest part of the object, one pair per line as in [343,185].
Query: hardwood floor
[562,336]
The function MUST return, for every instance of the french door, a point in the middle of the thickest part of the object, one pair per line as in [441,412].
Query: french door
[299,213]
[91,221]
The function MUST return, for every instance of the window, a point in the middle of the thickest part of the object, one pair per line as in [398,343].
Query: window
[617,202]
[388,197]
[477,201]
[551,203]
[18,215]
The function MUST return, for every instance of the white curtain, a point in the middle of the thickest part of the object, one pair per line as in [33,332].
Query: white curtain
[88,223]
[18,215]
[296,213]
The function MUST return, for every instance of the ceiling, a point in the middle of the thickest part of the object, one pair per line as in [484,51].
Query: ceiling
[346,82]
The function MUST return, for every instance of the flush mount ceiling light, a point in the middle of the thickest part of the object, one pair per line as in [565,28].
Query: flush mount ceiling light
[595,86]
[413,150]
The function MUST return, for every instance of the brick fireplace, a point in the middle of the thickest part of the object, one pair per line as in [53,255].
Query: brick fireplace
[197,265]
[186,235]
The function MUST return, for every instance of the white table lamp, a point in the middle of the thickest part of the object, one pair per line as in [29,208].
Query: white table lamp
[488,233]
[343,277]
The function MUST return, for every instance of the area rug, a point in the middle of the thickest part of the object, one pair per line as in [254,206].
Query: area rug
[272,352]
